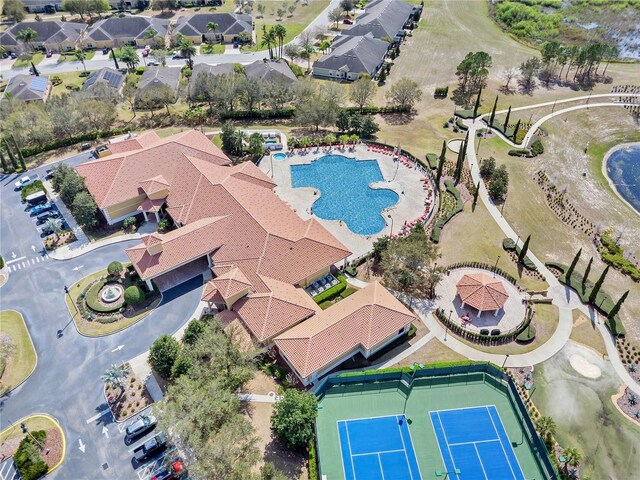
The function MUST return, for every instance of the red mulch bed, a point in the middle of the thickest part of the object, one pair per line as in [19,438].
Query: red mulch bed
[53,443]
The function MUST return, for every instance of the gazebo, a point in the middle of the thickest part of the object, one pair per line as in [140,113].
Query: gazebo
[482,292]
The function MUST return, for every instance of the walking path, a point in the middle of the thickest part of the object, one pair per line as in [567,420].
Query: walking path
[255,397]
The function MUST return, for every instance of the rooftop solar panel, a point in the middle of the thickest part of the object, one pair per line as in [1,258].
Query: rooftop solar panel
[39,84]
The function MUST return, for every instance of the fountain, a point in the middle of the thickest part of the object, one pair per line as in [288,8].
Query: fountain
[111,292]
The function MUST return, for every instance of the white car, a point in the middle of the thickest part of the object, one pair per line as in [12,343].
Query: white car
[24,181]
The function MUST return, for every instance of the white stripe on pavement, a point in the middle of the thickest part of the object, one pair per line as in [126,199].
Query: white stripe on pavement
[98,415]
[15,260]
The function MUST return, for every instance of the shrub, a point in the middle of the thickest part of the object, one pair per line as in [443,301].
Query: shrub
[293,418]
[56,80]
[1,262]
[163,225]
[432,158]
[348,291]
[537,148]
[181,366]
[519,153]
[313,461]
[508,244]
[36,186]
[27,458]
[527,335]
[129,222]
[332,292]
[193,331]
[115,269]
[133,295]
[487,167]
[326,304]
[441,92]
[163,355]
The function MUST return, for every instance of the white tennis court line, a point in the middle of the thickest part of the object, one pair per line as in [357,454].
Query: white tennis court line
[404,447]
[437,439]
[340,441]
[353,467]
[513,474]
[444,433]
[480,460]
[414,452]
[380,465]
[473,443]
[381,452]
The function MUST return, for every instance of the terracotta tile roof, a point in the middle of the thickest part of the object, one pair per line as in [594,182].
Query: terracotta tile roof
[482,292]
[211,294]
[178,247]
[154,185]
[231,282]
[137,143]
[148,205]
[362,320]
[268,314]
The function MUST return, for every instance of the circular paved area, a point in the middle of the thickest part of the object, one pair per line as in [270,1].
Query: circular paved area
[507,318]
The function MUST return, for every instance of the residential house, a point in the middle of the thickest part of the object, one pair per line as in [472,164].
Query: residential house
[131,30]
[232,27]
[383,19]
[259,254]
[42,6]
[155,77]
[351,56]
[55,36]
[28,88]
[106,76]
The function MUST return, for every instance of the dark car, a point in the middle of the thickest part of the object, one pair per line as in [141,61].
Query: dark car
[347,21]
[38,209]
[148,449]
[171,472]
[48,174]
[105,51]
[142,425]
[49,53]
[14,55]
[40,219]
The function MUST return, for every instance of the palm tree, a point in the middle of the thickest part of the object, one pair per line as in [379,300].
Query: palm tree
[573,457]
[82,56]
[188,50]
[28,36]
[129,56]
[546,427]
[114,377]
[53,225]
[268,39]
[279,31]
[305,53]
[212,27]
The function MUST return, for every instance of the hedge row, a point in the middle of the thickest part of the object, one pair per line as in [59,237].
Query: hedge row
[603,301]
[442,221]
[536,148]
[313,461]
[91,298]
[373,109]
[258,114]
[332,292]
[485,266]
[510,246]
[505,337]
[432,158]
[465,114]
[407,369]
[65,142]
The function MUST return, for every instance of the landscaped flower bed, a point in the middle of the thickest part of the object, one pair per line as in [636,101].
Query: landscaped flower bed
[133,399]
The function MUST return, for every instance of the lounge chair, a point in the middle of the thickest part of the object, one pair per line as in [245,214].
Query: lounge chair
[484,331]
[495,332]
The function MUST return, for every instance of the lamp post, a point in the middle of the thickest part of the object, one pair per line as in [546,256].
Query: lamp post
[66,291]
[446,326]
[506,357]
[26,431]
[391,229]
[495,267]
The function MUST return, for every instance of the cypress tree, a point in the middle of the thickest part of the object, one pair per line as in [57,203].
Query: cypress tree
[616,308]
[572,267]
[525,249]
[459,164]
[586,272]
[443,154]
[475,196]
[475,109]
[515,131]
[11,157]
[493,112]
[20,157]
[506,120]
[596,288]
[5,165]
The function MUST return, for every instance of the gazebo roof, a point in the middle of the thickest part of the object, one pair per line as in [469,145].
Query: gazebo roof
[482,292]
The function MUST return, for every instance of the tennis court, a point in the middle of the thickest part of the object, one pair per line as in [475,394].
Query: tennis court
[377,448]
[474,444]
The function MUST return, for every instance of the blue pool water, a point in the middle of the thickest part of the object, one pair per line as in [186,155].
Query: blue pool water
[279,156]
[344,191]
[623,168]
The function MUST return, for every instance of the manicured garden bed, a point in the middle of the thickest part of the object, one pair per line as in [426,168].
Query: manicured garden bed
[95,317]
[133,399]
[19,364]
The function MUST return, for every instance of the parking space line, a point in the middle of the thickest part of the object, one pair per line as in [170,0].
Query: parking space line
[38,259]
[23,265]
[18,265]
[33,262]
[15,260]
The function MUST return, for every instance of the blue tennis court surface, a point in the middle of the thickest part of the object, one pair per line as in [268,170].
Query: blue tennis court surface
[474,442]
[378,448]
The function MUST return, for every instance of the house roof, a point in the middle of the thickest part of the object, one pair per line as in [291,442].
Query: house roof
[179,246]
[154,185]
[258,232]
[27,88]
[362,320]
[109,76]
[159,76]
[358,54]
[148,205]
[482,292]
[231,282]
[135,143]
[270,70]
[114,28]
[48,32]
[381,18]
[228,24]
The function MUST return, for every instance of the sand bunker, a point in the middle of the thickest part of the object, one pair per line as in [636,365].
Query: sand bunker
[584,367]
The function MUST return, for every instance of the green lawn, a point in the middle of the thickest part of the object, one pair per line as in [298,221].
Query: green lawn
[97,329]
[68,78]
[23,361]
[37,58]
[216,48]
[72,58]
[33,423]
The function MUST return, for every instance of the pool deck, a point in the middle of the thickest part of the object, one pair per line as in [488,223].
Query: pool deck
[407,184]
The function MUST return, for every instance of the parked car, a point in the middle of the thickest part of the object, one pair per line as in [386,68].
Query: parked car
[49,53]
[14,55]
[153,63]
[36,198]
[44,207]
[26,180]
[43,217]
[347,21]
[149,448]
[145,53]
[142,425]
[48,231]
[5,54]
[48,175]
[176,55]
[85,146]
[147,48]
[172,472]
[105,51]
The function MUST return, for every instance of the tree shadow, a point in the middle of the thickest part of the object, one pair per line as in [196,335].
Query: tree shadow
[290,462]
[527,88]
[401,118]
[505,90]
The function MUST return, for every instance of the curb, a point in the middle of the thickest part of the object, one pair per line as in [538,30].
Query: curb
[34,351]
[92,249]
[57,424]
[4,271]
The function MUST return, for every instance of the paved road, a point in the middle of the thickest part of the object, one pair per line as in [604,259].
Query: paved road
[66,382]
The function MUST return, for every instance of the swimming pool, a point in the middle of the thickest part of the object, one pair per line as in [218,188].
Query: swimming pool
[345,193]
[279,156]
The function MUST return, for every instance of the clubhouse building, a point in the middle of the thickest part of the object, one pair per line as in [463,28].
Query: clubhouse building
[257,254]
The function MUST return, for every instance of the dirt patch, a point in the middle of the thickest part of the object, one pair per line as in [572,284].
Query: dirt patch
[585,333]
[434,351]
[293,464]
[261,384]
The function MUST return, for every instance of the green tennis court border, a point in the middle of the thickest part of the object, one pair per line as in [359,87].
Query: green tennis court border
[416,392]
